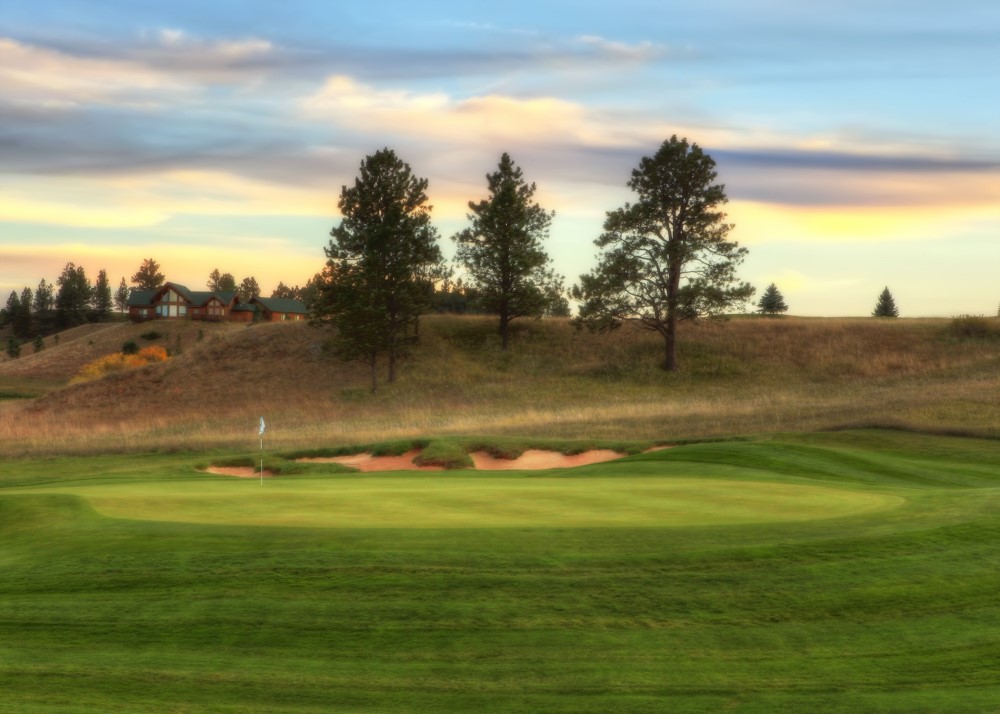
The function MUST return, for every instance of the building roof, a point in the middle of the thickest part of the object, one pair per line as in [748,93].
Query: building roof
[197,298]
[293,307]
[141,298]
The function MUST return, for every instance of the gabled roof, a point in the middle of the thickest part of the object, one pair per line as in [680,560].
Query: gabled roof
[141,298]
[197,298]
[201,298]
[294,307]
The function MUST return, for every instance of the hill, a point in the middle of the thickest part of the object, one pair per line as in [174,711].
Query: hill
[740,376]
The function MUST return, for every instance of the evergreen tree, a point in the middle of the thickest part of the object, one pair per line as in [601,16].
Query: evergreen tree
[374,285]
[885,306]
[772,302]
[73,297]
[13,348]
[148,277]
[44,298]
[122,295]
[102,300]
[39,343]
[22,318]
[502,251]
[666,258]
[12,308]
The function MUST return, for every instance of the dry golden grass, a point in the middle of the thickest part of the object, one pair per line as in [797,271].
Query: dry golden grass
[742,376]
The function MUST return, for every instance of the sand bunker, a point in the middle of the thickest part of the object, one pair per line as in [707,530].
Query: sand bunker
[538,459]
[531,459]
[238,471]
[368,462]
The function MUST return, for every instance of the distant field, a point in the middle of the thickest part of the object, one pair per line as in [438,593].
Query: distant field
[841,572]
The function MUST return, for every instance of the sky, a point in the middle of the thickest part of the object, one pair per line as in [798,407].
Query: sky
[858,140]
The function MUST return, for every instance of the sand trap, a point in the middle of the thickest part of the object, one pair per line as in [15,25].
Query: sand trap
[368,462]
[530,459]
[238,471]
[538,459]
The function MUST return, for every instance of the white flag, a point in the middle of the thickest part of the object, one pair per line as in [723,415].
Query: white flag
[261,432]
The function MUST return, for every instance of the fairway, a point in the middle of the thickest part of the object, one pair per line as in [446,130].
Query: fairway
[419,501]
[842,572]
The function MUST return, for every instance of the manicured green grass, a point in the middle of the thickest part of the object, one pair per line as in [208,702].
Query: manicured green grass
[136,584]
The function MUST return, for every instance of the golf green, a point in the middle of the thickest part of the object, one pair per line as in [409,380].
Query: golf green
[424,501]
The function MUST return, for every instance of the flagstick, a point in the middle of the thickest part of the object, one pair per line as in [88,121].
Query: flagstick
[261,434]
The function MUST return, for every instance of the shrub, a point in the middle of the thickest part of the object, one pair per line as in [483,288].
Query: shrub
[130,348]
[972,327]
[156,353]
[118,362]
[151,335]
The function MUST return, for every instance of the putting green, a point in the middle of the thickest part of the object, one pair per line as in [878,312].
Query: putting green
[448,502]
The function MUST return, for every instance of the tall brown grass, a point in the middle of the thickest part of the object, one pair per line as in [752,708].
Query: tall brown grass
[742,376]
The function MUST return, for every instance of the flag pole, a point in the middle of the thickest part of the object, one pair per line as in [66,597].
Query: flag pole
[261,435]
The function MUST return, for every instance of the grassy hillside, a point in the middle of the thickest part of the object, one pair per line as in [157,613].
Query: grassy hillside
[738,377]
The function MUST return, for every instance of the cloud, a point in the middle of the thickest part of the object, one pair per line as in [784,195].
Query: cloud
[48,79]
[163,69]
[638,52]
[492,119]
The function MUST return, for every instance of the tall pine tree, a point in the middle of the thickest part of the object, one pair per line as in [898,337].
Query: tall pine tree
[502,251]
[666,257]
[103,300]
[378,258]
[121,296]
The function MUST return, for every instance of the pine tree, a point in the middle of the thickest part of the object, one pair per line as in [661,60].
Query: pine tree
[44,298]
[666,257]
[122,295]
[148,277]
[502,250]
[886,306]
[772,302]
[22,318]
[13,307]
[103,299]
[74,296]
[374,284]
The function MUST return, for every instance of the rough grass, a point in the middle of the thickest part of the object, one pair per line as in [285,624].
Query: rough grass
[893,610]
[742,376]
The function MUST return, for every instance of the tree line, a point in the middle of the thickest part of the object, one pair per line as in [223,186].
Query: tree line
[665,258]
[73,300]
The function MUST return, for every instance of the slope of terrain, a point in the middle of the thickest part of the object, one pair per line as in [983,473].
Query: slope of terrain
[737,377]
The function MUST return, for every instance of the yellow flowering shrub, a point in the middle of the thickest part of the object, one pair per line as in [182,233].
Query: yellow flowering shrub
[117,362]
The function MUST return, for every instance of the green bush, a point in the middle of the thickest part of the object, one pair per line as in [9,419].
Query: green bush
[130,348]
[151,335]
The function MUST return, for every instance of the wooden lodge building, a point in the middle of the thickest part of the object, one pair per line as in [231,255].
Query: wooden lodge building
[174,301]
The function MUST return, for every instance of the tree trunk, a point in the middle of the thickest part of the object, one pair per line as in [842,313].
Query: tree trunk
[504,324]
[670,345]
[670,336]
[373,363]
